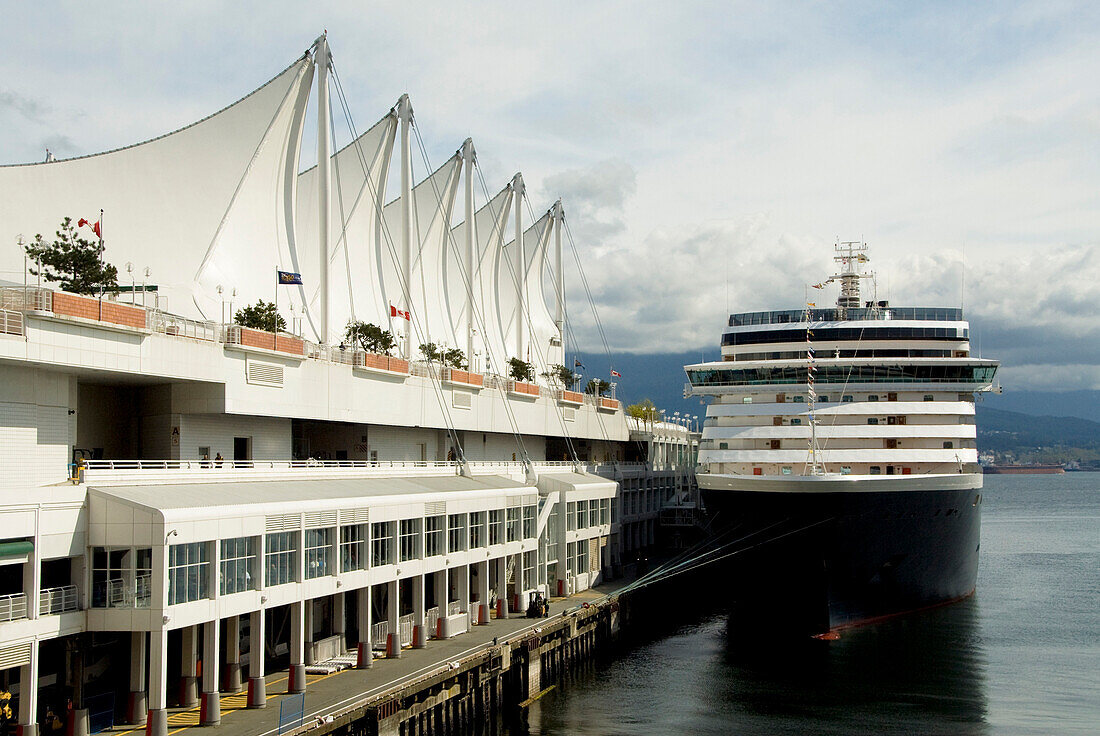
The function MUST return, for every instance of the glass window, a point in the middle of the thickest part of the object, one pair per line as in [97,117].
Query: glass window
[795,421]
[872,397]
[353,543]
[876,470]
[280,558]
[605,510]
[571,557]
[947,445]
[846,470]
[513,523]
[872,420]
[433,536]
[188,572]
[594,512]
[846,398]
[237,558]
[381,543]
[571,516]
[929,397]
[319,553]
[529,522]
[477,530]
[582,556]
[824,399]
[786,470]
[582,514]
[409,542]
[798,399]
[529,559]
[456,532]
[496,526]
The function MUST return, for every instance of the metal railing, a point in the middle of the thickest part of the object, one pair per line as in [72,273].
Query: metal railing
[13,606]
[58,600]
[123,593]
[431,619]
[11,322]
[454,608]
[379,631]
[405,626]
[170,324]
[26,299]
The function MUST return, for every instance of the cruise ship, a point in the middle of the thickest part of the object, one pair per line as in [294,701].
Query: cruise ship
[839,446]
[189,504]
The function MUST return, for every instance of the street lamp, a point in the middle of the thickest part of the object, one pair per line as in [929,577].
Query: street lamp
[133,282]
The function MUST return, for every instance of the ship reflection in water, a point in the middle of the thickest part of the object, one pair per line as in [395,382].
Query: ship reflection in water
[922,673]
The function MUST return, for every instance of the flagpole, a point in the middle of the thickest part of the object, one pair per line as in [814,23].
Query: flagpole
[275,325]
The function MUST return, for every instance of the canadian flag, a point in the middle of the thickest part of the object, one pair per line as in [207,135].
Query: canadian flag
[395,312]
[616,374]
[93,225]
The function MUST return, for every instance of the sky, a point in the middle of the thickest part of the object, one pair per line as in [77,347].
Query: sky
[708,154]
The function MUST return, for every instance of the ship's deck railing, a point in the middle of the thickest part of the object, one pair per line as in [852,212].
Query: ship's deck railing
[828,314]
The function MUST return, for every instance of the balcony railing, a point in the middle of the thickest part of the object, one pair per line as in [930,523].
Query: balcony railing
[454,608]
[13,607]
[170,324]
[11,322]
[431,619]
[405,626]
[123,592]
[58,600]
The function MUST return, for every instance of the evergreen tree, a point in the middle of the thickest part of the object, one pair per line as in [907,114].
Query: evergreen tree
[370,337]
[261,316]
[72,262]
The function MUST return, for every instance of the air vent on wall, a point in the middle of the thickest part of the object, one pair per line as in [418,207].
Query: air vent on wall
[282,523]
[262,373]
[435,508]
[462,399]
[354,516]
[570,414]
[320,519]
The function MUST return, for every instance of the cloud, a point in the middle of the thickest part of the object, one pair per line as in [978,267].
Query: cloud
[28,107]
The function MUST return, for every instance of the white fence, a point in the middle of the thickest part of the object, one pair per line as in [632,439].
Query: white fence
[58,600]
[13,606]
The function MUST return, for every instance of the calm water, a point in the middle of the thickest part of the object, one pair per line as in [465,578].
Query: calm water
[1021,657]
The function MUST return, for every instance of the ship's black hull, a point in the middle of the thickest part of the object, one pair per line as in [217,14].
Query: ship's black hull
[819,561]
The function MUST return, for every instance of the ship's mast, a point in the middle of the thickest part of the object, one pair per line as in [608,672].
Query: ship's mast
[850,255]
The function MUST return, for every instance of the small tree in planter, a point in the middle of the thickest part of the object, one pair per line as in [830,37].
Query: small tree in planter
[597,387]
[448,357]
[261,316]
[369,338]
[72,262]
[521,370]
[645,410]
[562,375]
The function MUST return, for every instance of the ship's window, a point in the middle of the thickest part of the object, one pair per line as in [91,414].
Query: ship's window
[947,445]
[876,470]
[823,399]
[777,421]
[891,420]
[746,400]
[891,443]
[889,469]
[774,444]
[799,399]
[891,396]
[796,421]
[846,470]
[872,397]
[786,470]
[872,420]
[723,445]
[846,398]
[929,397]
[780,398]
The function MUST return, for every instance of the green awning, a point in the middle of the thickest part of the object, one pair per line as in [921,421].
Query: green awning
[9,550]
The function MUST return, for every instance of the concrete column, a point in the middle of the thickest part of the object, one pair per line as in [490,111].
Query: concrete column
[137,706]
[502,586]
[257,689]
[521,585]
[32,583]
[298,646]
[365,656]
[210,713]
[310,608]
[439,584]
[393,612]
[340,619]
[189,683]
[28,694]
[232,678]
[463,588]
[483,592]
[420,629]
[157,718]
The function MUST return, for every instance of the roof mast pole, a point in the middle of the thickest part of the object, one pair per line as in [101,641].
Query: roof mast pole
[405,114]
[559,278]
[521,260]
[469,156]
[324,172]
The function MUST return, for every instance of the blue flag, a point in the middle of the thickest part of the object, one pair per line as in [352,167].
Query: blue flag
[286,278]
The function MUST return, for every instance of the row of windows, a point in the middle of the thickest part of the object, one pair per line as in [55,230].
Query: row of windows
[950,373]
[870,353]
[825,398]
[582,514]
[831,334]
[882,312]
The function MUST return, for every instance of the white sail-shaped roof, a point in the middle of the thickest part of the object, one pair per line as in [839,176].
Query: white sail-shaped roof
[432,203]
[535,240]
[489,230]
[204,206]
[357,249]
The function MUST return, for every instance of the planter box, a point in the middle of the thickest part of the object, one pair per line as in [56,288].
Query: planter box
[99,310]
[465,378]
[575,398]
[250,338]
[608,405]
[382,363]
[526,390]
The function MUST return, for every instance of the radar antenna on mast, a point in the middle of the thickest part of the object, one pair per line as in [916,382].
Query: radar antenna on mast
[850,255]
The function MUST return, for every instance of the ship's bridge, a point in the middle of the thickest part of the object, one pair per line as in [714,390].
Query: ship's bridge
[964,375]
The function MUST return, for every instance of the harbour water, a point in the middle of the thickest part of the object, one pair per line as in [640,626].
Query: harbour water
[1022,656]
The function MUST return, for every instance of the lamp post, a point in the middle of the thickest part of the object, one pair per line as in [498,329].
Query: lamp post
[144,280]
[133,281]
